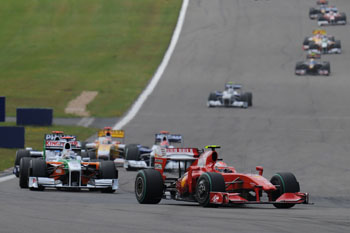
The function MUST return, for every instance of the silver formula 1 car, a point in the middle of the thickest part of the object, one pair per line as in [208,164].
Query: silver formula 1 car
[232,96]
[138,157]
[312,67]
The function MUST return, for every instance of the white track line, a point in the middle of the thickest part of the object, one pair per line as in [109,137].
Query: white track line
[156,77]
[6,178]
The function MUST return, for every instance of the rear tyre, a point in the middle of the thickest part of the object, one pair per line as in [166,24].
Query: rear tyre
[38,168]
[84,154]
[306,41]
[337,44]
[287,184]
[149,186]
[83,145]
[20,154]
[327,66]
[249,98]
[132,152]
[24,172]
[209,182]
[92,154]
[108,171]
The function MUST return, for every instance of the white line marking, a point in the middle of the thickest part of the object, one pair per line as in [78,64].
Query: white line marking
[161,68]
[6,178]
[86,121]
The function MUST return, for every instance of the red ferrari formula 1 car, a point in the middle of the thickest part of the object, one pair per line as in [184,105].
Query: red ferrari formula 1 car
[210,182]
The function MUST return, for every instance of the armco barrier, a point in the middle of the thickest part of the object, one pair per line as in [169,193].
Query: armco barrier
[2,108]
[34,116]
[11,137]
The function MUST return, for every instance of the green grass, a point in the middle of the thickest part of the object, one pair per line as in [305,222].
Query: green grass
[34,137]
[50,51]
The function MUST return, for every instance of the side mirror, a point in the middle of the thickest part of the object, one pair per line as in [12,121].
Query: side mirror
[260,169]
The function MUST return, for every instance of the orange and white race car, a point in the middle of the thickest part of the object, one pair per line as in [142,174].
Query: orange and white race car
[108,146]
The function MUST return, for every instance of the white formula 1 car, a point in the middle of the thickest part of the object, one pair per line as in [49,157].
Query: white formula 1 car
[138,157]
[232,96]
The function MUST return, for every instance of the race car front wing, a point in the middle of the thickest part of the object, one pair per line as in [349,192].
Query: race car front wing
[218,103]
[135,164]
[224,198]
[36,182]
[331,22]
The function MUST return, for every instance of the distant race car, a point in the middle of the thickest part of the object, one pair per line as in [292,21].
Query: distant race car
[314,13]
[323,43]
[322,2]
[312,67]
[61,166]
[232,96]
[138,157]
[108,146]
[210,182]
[332,18]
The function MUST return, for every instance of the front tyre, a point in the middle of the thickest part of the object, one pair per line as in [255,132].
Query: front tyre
[132,152]
[287,183]
[108,171]
[209,182]
[38,168]
[24,172]
[149,186]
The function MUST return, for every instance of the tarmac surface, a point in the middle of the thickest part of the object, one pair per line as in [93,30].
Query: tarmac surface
[297,124]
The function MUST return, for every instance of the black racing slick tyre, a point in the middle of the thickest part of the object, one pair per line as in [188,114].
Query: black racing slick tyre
[92,155]
[249,98]
[108,171]
[20,154]
[327,66]
[287,183]
[24,172]
[132,152]
[206,183]
[212,97]
[149,186]
[38,168]
[337,44]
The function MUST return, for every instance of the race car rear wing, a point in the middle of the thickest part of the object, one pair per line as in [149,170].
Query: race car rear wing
[174,138]
[319,32]
[57,136]
[58,145]
[234,86]
[113,133]
[182,151]
[160,163]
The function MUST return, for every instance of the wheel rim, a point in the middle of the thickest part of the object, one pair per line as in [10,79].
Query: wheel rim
[139,187]
[202,190]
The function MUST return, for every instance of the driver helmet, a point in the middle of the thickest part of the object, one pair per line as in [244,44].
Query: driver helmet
[220,166]
[164,142]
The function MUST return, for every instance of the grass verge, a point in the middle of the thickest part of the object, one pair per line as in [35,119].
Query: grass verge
[50,51]
[34,137]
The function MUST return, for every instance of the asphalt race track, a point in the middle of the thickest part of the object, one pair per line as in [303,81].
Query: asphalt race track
[297,124]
